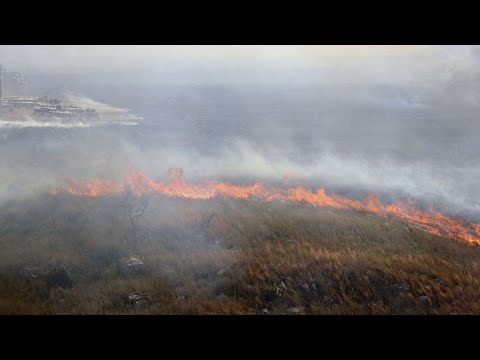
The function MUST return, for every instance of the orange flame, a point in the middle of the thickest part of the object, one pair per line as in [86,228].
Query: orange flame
[136,182]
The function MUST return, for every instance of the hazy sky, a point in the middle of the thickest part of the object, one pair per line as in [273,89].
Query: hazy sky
[239,63]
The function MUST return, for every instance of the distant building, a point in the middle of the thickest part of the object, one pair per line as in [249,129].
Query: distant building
[44,109]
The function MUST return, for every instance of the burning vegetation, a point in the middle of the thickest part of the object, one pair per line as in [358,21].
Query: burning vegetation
[220,243]
[81,255]
[136,183]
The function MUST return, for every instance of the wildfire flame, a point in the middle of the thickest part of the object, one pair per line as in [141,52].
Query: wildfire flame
[136,182]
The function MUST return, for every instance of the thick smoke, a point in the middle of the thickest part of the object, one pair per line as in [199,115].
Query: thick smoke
[402,121]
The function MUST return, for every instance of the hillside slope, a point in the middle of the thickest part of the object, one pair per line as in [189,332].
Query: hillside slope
[69,255]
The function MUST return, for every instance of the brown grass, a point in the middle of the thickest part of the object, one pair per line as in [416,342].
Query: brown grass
[251,256]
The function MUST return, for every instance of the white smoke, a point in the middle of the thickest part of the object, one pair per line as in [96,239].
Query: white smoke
[421,179]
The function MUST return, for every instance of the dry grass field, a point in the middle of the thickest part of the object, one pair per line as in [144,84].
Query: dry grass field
[73,255]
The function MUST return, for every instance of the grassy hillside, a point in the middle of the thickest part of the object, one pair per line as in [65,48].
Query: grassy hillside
[65,255]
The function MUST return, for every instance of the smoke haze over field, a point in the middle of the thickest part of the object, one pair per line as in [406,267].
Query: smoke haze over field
[401,119]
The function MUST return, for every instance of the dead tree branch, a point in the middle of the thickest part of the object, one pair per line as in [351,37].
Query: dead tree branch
[135,207]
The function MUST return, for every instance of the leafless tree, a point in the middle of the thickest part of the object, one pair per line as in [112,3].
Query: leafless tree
[135,207]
